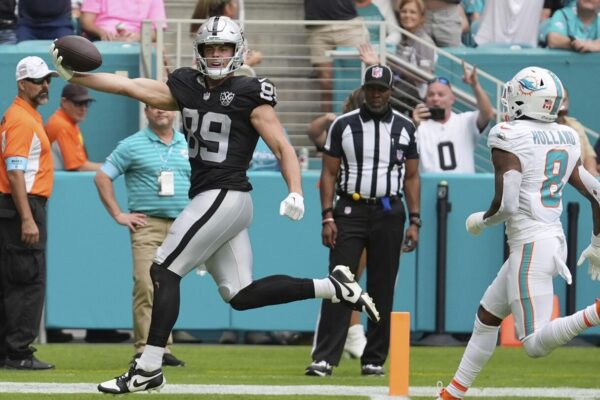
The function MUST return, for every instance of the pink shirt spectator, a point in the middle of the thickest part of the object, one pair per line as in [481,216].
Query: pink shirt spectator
[130,13]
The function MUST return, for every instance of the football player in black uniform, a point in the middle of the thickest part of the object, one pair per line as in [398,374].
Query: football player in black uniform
[223,116]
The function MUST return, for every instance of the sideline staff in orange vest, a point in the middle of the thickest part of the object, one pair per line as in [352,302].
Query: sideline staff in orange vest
[26,179]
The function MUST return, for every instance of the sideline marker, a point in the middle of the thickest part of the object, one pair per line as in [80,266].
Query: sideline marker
[399,353]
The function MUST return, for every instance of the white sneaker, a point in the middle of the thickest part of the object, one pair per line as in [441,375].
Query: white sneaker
[134,380]
[355,341]
[348,291]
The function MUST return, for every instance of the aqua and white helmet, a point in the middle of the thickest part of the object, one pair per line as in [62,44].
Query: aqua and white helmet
[533,92]
[219,30]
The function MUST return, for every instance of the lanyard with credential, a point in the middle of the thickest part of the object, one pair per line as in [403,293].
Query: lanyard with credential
[166,178]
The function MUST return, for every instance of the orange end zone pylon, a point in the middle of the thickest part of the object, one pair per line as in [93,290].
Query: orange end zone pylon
[399,353]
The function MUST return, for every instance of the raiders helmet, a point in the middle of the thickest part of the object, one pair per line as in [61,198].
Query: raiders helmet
[219,30]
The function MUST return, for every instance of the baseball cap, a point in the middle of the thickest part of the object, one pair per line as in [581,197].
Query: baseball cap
[75,92]
[378,75]
[33,67]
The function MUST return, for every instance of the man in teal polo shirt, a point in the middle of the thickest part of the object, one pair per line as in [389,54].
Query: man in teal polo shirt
[157,175]
[576,27]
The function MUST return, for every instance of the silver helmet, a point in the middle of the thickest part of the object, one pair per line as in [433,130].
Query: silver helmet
[219,30]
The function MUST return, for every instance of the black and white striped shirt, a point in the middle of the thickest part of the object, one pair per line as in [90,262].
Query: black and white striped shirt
[372,151]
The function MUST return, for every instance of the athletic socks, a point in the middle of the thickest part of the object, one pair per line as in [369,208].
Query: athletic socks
[562,330]
[324,289]
[151,358]
[480,348]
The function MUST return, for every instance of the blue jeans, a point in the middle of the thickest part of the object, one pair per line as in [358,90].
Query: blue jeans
[29,32]
[8,36]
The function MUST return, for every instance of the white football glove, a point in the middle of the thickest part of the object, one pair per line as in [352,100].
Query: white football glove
[292,206]
[592,254]
[474,223]
[64,72]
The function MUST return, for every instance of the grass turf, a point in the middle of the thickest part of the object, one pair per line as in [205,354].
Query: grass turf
[284,365]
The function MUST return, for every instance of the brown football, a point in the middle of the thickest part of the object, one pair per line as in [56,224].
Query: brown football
[78,53]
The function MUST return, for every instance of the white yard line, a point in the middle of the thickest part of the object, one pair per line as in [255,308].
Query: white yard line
[374,392]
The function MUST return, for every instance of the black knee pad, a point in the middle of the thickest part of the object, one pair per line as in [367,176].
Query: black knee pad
[162,277]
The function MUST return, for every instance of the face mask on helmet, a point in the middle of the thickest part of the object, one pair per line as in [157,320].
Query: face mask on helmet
[534,92]
[219,30]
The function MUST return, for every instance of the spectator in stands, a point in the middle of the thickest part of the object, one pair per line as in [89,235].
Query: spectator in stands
[153,205]
[576,28]
[367,216]
[26,180]
[322,38]
[8,22]
[412,19]
[42,19]
[473,10]
[443,22]
[514,22]
[588,155]
[229,8]
[118,20]
[64,133]
[378,11]
[446,139]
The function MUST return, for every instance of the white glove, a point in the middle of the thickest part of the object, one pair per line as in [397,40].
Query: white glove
[292,206]
[592,254]
[474,223]
[563,270]
[64,72]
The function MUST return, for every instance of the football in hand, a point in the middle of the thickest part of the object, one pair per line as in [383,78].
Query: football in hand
[78,53]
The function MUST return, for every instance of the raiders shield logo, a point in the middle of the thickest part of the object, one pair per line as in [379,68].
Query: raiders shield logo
[206,96]
[226,98]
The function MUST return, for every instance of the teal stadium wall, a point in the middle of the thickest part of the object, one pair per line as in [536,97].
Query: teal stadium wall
[89,260]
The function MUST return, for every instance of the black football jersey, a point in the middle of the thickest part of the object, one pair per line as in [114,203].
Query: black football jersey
[220,136]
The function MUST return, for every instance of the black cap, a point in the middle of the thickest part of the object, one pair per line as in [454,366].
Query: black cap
[75,92]
[378,75]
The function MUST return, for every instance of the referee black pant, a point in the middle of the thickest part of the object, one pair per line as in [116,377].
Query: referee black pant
[22,279]
[381,232]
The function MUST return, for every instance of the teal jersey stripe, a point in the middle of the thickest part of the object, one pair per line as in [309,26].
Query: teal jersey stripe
[526,304]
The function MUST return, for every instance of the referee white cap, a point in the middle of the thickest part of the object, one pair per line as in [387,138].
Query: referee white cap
[378,74]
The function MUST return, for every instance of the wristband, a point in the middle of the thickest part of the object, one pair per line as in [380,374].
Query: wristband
[414,214]
[327,220]
[327,210]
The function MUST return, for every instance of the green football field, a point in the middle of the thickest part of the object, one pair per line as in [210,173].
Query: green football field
[276,372]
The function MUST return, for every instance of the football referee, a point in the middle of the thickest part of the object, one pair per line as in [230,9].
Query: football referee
[372,156]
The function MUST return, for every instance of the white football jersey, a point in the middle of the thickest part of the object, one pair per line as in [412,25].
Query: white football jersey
[548,153]
[448,147]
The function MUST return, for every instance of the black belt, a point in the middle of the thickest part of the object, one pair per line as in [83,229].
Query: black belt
[369,200]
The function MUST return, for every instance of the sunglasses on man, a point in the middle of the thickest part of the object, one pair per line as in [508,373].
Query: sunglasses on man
[440,79]
[39,81]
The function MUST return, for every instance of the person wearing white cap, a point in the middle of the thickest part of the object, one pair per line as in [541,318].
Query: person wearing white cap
[26,179]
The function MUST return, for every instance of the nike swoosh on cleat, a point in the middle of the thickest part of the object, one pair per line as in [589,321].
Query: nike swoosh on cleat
[349,292]
[137,383]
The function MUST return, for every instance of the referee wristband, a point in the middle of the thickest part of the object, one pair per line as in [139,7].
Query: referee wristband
[327,220]
[327,210]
